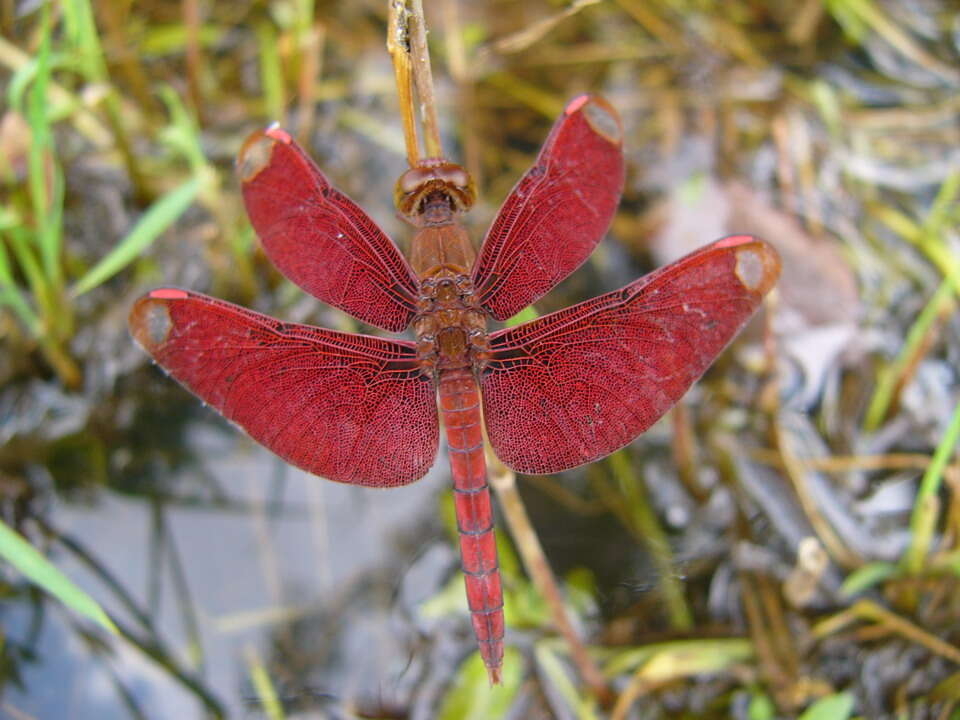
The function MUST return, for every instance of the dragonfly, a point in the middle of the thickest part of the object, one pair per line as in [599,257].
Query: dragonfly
[559,391]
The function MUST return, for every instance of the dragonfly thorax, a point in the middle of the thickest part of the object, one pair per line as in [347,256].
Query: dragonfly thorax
[451,329]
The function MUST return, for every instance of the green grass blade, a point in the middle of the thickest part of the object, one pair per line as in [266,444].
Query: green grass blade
[11,296]
[761,708]
[866,577]
[40,571]
[23,254]
[81,32]
[659,662]
[271,72]
[182,133]
[943,204]
[831,707]
[263,687]
[525,315]
[51,235]
[893,374]
[47,217]
[583,707]
[161,215]
[929,237]
[925,507]
[18,85]
[472,698]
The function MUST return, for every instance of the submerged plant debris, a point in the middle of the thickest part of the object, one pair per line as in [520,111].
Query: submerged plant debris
[786,543]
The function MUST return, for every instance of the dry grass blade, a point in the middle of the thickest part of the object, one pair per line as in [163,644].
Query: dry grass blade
[423,79]
[398,45]
[523,39]
[407,45]
[870,611]
[838,550]
[894,35]
[503,481]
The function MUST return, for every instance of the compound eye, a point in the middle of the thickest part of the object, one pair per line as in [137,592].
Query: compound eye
[459,177]
[452,175]
[413,179]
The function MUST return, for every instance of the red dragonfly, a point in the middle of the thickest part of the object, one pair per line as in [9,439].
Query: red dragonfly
[557,392]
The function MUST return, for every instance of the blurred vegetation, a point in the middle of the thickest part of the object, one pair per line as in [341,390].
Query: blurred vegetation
[786,545]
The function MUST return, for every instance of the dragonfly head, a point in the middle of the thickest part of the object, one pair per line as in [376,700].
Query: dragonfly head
[431,183]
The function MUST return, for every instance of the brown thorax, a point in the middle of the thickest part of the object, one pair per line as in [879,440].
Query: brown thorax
[450,326]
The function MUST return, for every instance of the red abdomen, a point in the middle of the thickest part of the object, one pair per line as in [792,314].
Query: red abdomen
[460,407]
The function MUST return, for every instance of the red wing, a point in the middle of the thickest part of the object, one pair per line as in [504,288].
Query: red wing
[321,239]
[578,384]
[351,408]
[557,213]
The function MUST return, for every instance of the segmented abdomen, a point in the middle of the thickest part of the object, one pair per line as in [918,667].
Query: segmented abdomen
[460,408]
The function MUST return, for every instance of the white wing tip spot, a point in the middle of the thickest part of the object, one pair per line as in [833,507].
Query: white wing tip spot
[254,156]
[151,323]
[757,267]
[603,119]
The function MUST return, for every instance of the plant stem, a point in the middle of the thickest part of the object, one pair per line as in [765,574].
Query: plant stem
[504,482]
[398,45]
[423,77]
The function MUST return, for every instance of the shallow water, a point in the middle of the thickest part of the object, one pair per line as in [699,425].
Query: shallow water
[289,555]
